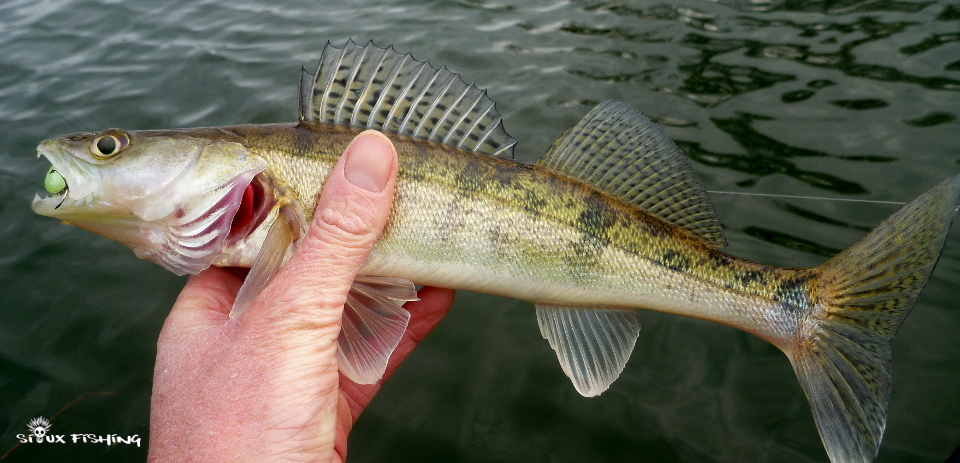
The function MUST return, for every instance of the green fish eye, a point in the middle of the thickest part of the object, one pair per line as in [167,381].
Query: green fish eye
[54,182]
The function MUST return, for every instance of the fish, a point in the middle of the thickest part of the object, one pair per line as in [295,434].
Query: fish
[610,220]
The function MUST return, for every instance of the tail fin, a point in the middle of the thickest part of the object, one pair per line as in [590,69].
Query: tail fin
[842,354]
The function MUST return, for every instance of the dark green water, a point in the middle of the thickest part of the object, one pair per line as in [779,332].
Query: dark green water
[839,98]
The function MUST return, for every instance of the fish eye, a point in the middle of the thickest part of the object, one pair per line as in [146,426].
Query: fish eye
[109,143]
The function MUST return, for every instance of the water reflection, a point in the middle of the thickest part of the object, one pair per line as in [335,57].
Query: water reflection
[790,241]
[830,7]
[932,119]
[768,156]
[692,17]
[860,104]
[843,60]
[709,81]
[817,217]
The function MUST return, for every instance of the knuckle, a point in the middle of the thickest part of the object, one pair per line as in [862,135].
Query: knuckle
[347,222]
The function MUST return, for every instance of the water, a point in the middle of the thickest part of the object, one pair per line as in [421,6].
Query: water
[838,98]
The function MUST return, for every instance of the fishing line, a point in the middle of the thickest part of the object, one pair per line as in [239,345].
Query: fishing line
[769,195]
[805,197]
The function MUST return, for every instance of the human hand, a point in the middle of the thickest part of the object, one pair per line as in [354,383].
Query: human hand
[264,386]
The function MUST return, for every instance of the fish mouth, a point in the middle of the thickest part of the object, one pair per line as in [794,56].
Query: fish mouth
[69,189]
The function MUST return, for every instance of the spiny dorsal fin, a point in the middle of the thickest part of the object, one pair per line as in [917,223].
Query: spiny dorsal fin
[378,88]
[620,151]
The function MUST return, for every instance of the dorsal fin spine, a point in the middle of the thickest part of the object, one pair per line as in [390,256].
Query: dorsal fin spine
[367,88]
[392,114]
[446,81]
[463,117]
[506,150]
[448,112]
[411,109]
[353,75]
[303,102]
[354,112]
[486,134]
[388,82]
[328,82]
[477,121]
[377,88]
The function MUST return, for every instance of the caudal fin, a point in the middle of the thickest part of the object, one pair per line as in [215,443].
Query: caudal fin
[842,355]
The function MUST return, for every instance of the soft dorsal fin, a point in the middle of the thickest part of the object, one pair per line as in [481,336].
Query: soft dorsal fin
[378,88]
[621,152]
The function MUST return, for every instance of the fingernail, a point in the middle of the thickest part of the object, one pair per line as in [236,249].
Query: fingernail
[369,161]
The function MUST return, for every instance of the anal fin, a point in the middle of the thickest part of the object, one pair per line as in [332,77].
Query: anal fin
[373,324]
[593,345]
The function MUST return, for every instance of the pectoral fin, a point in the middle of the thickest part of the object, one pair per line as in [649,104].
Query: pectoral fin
[593,345]
[372,326]
[278,240]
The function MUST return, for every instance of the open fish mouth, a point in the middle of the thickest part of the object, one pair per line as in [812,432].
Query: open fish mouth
[66,189]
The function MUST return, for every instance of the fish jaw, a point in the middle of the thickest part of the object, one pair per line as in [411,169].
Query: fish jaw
[172,203]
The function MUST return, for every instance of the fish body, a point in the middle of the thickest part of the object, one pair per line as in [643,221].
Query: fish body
[470,221]
[611,219]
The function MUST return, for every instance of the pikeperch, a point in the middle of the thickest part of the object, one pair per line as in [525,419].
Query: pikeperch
[611,219]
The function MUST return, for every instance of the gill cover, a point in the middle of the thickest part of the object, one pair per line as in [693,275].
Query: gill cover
[169,195]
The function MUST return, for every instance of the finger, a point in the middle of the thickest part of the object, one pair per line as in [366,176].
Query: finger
[306,298]
[425,315]
[350,214]
[205,301]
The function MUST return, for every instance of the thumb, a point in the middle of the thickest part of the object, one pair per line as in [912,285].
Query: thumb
[351,212]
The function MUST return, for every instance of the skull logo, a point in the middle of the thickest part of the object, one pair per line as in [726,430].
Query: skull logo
[39,427]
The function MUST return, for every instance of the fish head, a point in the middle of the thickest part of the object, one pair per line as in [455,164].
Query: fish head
[171,196]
